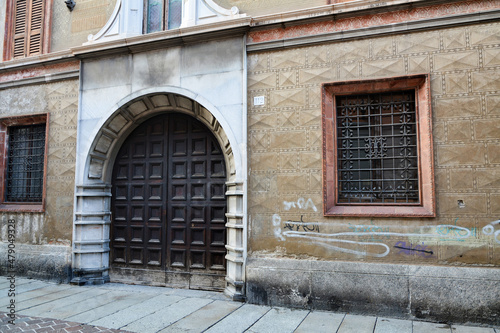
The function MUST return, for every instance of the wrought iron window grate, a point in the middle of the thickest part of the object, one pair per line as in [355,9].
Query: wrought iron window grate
[377,148]
[25,163]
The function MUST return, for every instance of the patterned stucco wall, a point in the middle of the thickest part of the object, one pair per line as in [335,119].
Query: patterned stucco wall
[60,100]
[266,7]
[285,149]
[70,29]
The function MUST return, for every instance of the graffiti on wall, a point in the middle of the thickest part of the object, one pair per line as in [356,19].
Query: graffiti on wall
[490,230]
[375,238]
[454,234]
[414,249]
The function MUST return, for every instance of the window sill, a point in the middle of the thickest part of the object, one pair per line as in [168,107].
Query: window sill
[22,208]
[380,211]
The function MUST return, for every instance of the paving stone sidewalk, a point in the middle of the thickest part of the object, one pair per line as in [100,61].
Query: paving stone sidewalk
[48,307]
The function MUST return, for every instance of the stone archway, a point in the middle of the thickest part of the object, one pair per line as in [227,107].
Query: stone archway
[93,197]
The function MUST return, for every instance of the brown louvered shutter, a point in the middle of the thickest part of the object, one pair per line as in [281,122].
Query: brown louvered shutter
[28,28]
[21,11]
[35,28]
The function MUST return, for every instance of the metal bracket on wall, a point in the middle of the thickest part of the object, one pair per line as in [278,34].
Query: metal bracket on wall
[70,4]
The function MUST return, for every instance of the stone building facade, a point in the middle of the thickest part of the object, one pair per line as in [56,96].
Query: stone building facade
[375,263]
[247,185]
[47,84]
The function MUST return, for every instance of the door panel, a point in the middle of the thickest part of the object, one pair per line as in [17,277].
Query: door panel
[168,199]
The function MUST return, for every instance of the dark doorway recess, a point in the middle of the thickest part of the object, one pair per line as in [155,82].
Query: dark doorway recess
[169,206]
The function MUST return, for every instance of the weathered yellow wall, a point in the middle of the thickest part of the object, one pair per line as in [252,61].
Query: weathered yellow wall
[285,147]
[70,29]
[60,101]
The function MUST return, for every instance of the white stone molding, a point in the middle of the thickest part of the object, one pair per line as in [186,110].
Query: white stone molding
[128,15]
[196,12]
[126,21]
[93,198]
[91,234]
[235,246]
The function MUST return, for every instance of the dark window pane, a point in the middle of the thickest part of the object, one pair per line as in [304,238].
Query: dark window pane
[25,163]
[377,148]
[174,13]
[155,15]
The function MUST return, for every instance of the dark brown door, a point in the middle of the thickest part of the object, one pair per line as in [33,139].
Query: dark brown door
[168,199]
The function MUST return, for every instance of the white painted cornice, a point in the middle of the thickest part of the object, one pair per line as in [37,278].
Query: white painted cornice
[128,15]
[33,61]
[167,38]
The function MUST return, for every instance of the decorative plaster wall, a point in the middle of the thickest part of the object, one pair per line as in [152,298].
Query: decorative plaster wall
[285,149]
[443,268]
[70,29]
[266,7]
[48,233]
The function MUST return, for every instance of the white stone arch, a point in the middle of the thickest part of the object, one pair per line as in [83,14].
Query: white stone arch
[93,195]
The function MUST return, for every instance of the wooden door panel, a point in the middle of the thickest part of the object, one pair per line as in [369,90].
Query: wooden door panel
[169,200]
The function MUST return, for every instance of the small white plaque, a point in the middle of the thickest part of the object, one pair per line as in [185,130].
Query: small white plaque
[258,100]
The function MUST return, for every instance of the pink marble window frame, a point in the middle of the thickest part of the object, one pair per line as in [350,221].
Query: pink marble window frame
[427,204]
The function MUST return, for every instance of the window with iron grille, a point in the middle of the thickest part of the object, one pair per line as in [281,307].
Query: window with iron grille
[23,147]
[377,147]
[162,15]
[25,164]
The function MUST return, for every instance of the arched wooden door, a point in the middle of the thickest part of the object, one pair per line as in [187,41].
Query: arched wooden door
[169,205]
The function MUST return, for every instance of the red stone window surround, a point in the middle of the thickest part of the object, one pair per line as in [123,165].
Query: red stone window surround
[5,123]
[332,206]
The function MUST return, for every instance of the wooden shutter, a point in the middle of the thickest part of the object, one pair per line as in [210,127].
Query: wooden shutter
[21,11]
[35,28]
[28,28]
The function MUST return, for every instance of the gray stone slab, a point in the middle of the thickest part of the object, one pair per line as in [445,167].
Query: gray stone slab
[45,290]
[107,72]
[5,282]
[357,324]
[458,295]
[167,316]
[205,317]
[136,312]
[470,329]
[63,312]
[212,57]
[25,287]
[45,309]
[239,320]
[156,68]
[40,292]
[199,294]
[389,325]
[123,300]
[134,288]
[279,320]
[45,297]
[320,321]
[424,327]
